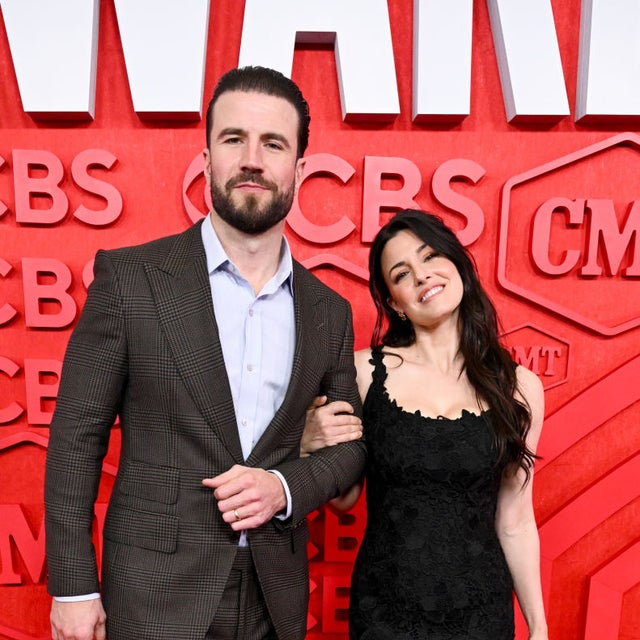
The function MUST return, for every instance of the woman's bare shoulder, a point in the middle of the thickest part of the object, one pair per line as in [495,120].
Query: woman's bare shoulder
[362,357]
[364,370]
[530,389]
[529,384]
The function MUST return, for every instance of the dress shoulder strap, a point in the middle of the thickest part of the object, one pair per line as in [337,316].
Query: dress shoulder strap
[379,374]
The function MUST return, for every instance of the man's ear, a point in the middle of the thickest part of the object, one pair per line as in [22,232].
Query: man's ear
[207,166]
[300,164]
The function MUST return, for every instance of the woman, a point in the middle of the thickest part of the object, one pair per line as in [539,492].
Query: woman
[451,425]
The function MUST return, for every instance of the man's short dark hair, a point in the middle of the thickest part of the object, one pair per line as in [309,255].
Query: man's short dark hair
[269,82]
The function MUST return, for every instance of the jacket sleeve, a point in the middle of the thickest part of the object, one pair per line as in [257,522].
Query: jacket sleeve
[327,473]
[91,387]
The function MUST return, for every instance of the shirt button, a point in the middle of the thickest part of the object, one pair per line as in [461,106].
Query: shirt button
[251,313]
[249,367]
[245,423]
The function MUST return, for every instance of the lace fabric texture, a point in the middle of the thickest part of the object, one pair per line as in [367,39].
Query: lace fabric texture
[430,565]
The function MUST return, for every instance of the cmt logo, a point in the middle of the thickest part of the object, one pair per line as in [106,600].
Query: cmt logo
[570,236]
[541,352]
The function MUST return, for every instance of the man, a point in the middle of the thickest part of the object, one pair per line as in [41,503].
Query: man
[209,345]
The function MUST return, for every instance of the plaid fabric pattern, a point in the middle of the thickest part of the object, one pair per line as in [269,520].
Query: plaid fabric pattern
[146,348]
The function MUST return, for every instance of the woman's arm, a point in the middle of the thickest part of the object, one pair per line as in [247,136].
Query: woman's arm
[330,424]
[515,519]
[327,425]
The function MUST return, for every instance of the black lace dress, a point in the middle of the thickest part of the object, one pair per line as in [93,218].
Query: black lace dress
[430,565]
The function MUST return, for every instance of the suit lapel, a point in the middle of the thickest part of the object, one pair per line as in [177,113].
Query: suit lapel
[182,295]
[308,322]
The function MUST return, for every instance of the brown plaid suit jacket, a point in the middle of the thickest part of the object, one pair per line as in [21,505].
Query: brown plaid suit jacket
[146,348]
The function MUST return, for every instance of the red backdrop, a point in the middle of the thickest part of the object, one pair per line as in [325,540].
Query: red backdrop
[576,328]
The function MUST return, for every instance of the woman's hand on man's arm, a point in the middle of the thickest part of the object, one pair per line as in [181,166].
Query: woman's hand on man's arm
[329,424]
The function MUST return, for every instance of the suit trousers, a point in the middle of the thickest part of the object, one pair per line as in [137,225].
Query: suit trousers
[242,613]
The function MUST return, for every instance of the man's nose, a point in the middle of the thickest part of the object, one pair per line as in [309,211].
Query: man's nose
[252,159]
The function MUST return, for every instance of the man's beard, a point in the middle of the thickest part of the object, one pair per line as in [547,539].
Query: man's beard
[249,217]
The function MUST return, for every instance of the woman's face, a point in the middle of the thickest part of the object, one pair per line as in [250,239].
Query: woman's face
[423,284]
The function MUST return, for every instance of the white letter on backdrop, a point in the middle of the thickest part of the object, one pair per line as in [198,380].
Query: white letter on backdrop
[165,48]
[608,61]
[526,45]
[361,32]
[54,45]
[442,60]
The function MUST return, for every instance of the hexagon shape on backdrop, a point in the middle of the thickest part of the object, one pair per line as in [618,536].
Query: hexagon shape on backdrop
[546,355]
[569,237]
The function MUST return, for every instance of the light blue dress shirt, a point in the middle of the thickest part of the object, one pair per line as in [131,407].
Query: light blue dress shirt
[257,335]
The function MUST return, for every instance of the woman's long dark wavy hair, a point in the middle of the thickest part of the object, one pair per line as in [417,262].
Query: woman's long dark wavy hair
[489,367]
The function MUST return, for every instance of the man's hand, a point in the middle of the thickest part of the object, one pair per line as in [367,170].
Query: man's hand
[82,620]
[247,497]
[329,424]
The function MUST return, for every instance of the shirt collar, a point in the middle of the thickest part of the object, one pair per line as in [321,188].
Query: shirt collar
[218,259]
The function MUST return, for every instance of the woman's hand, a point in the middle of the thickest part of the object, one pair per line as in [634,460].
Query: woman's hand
[329,424]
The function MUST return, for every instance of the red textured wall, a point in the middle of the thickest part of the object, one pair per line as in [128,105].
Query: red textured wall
[577,330]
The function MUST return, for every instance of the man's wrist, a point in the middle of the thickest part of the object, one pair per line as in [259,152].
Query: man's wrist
[285,512]
[82,598]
